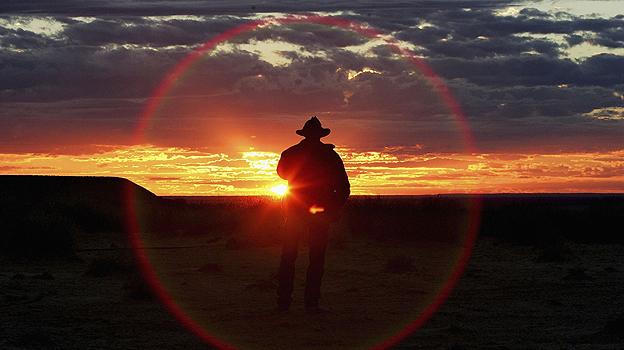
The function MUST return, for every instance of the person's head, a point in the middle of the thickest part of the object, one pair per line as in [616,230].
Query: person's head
[313,130]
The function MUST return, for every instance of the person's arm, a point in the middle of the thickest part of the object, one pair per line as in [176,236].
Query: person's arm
[343,187]
[282,167]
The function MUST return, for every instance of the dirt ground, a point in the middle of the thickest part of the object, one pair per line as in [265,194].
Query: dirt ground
[506,300]
[233,291]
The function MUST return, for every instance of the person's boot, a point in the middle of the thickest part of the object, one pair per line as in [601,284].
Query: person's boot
[314,308]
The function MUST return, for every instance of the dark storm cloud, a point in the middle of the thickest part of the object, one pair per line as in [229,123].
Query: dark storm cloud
[517,89]
[462,28]
[195,7]
[487,22]
[483,102]
[82,72]
[455,32]
[611,37]
[602,70]
[149,32]
[312,36]
[81,61]
[491,47]
[481,47]
[18,39]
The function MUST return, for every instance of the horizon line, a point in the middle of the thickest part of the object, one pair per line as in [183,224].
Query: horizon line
[421,195]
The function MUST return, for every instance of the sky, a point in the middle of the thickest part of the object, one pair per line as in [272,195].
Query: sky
[540,85]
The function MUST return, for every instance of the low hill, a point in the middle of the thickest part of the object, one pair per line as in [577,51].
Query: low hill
[41,214]
[93,189]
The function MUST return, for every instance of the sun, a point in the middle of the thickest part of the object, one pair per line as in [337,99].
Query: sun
[280,190]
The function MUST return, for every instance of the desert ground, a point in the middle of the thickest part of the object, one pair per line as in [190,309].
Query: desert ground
[562,292]
[506,300]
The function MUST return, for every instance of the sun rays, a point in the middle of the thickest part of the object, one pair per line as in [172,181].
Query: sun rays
[279,190]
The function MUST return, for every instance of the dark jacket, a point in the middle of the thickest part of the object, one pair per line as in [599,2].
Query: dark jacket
[316,176]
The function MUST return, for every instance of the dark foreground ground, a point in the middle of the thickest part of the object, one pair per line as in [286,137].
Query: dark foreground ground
[68,281]
[505,301]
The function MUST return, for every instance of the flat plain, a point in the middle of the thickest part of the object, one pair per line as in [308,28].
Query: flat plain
[68,277]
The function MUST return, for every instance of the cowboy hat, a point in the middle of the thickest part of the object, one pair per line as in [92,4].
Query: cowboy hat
[313,128]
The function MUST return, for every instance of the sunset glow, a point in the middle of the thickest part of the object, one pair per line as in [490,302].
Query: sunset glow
[182,171]
[431,107]
[280,190]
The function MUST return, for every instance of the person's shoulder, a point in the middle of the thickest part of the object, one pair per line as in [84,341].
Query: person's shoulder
[329,148]
[292,149]
[330,151]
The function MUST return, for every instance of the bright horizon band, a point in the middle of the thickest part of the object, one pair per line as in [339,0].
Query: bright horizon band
[166,171]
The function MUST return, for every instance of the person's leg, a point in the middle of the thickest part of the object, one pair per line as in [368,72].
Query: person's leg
[318,245]
[286,272]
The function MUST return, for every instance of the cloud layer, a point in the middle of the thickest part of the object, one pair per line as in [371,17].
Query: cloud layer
[180,171]
[530,80]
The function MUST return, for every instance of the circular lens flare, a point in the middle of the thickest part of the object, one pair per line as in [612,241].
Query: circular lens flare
[436,83]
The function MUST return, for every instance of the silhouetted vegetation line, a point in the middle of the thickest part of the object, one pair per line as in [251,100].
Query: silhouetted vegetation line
[42,215]
[408,217]
[547,219]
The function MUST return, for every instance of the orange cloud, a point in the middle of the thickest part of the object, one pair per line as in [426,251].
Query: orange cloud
[182,171]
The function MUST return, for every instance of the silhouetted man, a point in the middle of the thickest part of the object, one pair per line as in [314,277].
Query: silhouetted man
[318,189]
